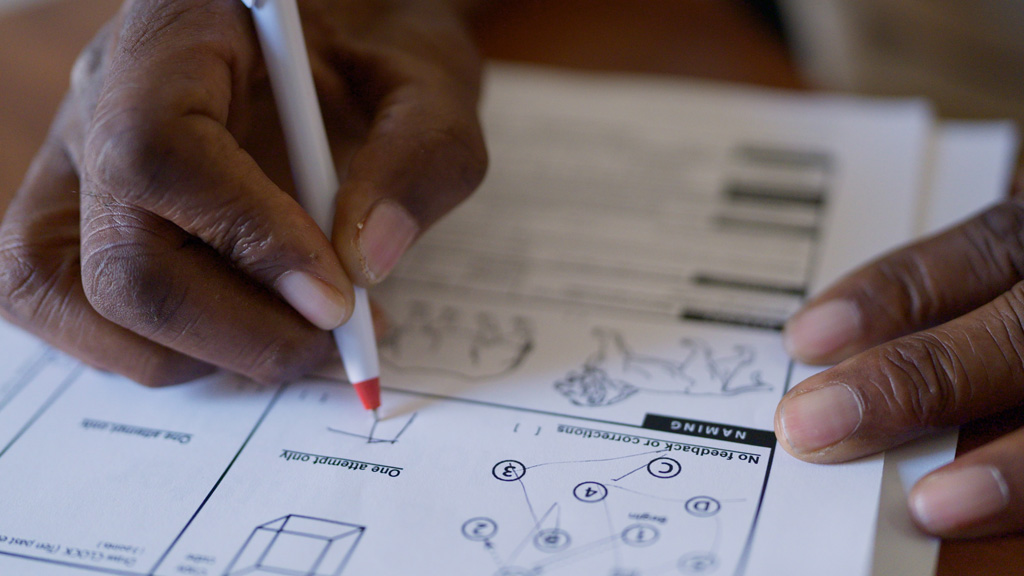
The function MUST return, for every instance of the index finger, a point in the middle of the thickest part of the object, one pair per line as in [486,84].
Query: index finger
[956,372]
[913,288]
[424,151]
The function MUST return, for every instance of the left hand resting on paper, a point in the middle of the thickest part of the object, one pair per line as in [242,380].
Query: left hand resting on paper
[929,336]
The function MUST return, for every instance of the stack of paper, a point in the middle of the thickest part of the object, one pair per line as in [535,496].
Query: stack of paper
[581,379]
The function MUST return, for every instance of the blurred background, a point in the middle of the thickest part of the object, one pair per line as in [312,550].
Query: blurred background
[967,56]
[7,4]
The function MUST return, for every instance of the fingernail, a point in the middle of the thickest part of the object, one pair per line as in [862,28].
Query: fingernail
[948,500]
[821,418]
[823,329]
[383,237]
[319,302]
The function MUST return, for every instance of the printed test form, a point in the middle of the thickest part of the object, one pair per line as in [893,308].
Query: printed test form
[581,376]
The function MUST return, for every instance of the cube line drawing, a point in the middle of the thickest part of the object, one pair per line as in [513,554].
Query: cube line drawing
[296,545]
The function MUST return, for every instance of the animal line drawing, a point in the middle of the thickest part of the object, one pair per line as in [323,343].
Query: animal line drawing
[614,372]
[448,342]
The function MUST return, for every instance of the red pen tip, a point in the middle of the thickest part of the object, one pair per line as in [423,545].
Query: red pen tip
[369,393]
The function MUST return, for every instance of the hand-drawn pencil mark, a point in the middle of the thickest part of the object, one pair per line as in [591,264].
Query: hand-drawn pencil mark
[593,387]
[583,526]
[298,546]
[373,436]
[447,342]
[615,372]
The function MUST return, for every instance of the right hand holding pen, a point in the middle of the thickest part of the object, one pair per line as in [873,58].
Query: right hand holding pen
[154,235]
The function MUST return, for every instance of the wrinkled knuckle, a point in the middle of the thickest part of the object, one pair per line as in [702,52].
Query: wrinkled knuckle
[150,19]
[997,235]
[1010,314]
[904,284]
[23,278]
[246,239]
[1015,301]
[126,155]
[131,288]
[917,384]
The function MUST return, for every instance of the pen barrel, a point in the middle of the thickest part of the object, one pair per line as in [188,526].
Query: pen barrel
[309,153]
[356,340]
[316,181]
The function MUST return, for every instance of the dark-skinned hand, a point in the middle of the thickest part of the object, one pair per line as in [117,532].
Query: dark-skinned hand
[927,337]
[154,234]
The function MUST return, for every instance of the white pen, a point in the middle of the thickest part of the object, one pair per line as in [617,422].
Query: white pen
[316,181]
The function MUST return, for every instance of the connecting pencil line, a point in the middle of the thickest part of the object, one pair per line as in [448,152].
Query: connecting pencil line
[370,438]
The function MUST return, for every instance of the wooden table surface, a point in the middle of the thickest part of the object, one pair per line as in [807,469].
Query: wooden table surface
[717,39]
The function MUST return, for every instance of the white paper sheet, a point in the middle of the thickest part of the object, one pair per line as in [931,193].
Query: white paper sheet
[581,380]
